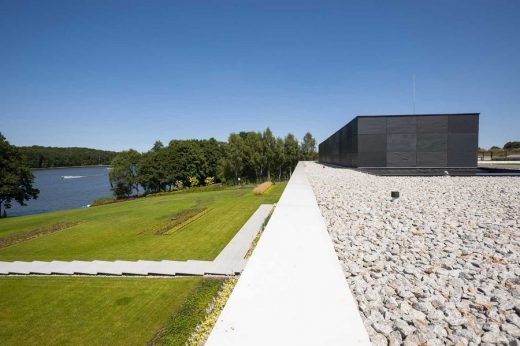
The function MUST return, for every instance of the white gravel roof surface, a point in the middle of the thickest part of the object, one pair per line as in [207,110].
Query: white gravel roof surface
[440,265]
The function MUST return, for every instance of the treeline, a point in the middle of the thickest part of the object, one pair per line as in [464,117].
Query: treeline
[48,157]
[514,145]
[245,157]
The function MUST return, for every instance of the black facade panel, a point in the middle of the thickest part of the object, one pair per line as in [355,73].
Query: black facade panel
[401,142]
[463,124]
[429,142]
[335,149]
[462,159]
[401,159]
[354,145]
[371,159]
[401,125]
[371,126]
[462,141]
[432,124]
[355,160]
[355,127]
[405,141]
[432,159]
[344,147]
[371,143]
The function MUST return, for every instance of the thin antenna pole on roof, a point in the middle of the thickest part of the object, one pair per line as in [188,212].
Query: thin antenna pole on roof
[413,82]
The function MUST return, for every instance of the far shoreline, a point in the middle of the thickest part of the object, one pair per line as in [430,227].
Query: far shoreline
[65,167]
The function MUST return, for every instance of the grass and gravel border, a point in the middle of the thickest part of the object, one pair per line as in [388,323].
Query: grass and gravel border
[179,328]
[204,328]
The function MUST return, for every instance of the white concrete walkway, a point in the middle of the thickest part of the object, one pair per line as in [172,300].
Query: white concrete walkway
[229,262]
[293,290]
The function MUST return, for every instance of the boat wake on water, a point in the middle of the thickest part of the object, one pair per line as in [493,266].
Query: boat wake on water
[73,176]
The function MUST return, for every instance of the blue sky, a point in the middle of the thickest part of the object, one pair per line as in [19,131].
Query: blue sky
[120,74]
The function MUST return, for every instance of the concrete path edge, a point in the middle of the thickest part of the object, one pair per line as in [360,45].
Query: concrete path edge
[293,290]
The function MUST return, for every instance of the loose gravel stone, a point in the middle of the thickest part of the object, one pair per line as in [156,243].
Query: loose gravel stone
[439,265]
[379,340]
[383,327]
[494,337]
[511,329]
[403,326]
[395,338]
[412,340]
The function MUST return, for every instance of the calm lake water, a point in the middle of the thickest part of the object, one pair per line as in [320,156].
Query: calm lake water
[65,188]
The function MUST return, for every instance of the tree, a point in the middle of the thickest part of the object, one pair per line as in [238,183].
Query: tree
[157,146]
[151,172]
[254,149]
[512,145]
[308,148]
[235,155]
[279,156]
[124,173]
[291,151]
[213,151]
[121,189]
[16,179]
[269,150]
[187,160]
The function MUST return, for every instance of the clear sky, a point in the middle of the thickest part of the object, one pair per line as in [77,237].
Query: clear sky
[120,74]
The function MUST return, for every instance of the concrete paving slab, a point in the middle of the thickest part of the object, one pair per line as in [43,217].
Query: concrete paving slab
[40,267]
[5,267]
[133,268]
[20,267]
[219,268]
[168,268]
[237,248]
[147,266]
[194,267]
[84,267]
[61,267]
[107,268]
[276,300]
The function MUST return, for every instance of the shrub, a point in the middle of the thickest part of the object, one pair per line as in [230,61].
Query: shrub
[179,185]
[193,181]
[262,188]
[209,181]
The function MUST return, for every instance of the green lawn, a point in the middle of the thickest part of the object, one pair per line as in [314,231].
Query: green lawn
[96,310]
[127,230]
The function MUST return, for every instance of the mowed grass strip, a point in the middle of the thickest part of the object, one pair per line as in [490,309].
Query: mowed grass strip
[95,310]
[38,232]
[118,231]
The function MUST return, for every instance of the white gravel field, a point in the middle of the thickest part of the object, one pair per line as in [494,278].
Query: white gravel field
[440,265]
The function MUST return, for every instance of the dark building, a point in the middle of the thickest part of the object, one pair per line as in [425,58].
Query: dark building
[422,140]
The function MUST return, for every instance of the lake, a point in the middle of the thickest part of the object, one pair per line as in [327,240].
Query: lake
[65,188]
